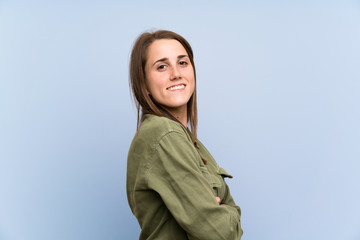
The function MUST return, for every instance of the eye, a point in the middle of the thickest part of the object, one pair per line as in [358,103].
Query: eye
[183,63]
[161,67]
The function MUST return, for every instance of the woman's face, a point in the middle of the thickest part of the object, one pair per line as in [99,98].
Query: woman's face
[169,74]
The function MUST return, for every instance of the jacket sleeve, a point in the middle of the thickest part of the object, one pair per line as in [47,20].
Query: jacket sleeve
[176,176]
[229,203]
[227,198]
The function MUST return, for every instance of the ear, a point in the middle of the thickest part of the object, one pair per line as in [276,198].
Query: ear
[147,90]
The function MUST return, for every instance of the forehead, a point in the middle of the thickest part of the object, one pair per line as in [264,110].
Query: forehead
[165,48]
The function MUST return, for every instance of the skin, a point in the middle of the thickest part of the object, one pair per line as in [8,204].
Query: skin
[170,76]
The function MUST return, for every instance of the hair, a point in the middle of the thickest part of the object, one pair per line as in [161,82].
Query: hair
[144,103]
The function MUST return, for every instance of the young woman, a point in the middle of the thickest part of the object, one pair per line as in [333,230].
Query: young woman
[175,188]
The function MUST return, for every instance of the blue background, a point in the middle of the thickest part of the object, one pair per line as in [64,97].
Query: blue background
[278,98]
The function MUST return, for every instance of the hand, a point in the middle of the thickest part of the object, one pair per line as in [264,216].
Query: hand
[218,200]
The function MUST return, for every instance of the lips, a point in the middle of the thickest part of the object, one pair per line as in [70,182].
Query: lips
[176,87]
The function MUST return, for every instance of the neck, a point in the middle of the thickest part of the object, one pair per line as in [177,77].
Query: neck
[180,114]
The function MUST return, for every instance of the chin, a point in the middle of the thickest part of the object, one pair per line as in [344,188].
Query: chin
[175,105]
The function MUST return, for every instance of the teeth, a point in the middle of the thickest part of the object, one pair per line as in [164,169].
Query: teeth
[177,87]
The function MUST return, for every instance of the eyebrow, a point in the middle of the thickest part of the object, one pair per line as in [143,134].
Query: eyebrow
[164,59]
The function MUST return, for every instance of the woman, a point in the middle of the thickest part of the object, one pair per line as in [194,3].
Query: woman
[175,188]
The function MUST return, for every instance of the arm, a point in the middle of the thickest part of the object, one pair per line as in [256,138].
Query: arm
[228,202]
[227,198]
[176,176]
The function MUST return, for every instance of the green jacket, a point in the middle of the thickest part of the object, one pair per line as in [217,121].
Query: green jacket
[170,190]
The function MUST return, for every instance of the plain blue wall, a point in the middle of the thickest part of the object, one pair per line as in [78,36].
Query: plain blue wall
[279,94]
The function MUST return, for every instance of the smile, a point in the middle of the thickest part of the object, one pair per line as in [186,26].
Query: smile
[176,87]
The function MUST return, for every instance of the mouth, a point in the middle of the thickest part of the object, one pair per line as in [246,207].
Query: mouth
[176,87]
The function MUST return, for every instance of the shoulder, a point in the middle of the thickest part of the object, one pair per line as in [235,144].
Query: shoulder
[155,128]
[159,125]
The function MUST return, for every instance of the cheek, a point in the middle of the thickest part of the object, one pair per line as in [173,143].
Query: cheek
[192,79]
[153,83]
[193,88]
[190,75]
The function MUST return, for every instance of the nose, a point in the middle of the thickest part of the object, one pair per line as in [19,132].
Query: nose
[175,73]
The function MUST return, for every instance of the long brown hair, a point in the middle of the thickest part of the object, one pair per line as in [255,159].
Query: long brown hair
[144,103]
